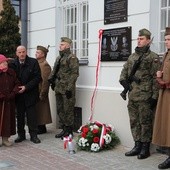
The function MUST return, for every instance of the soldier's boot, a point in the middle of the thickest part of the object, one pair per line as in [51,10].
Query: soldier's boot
[61,134]
[69,131]
[145,151]
[6,142]
[165,164]
[136,149]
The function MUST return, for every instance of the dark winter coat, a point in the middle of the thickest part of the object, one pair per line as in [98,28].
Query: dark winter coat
[30,76]
[8,89]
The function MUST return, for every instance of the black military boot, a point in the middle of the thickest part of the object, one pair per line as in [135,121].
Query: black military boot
[61,134]
[165,164]
[145,151]
[69,130]
[136,149]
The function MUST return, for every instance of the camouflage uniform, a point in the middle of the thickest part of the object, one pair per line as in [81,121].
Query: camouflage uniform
[140,112]
[66,70]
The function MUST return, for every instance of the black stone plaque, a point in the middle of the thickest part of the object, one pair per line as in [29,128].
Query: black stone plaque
[115,11]
[116,44]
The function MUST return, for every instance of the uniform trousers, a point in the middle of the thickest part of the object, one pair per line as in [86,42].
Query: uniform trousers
[141,120]
[65,109]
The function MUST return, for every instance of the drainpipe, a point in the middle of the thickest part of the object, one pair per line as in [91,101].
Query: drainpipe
[24,20]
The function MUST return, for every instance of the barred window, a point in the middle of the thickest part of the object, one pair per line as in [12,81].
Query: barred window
[17,6]
[74,23]
[164,21]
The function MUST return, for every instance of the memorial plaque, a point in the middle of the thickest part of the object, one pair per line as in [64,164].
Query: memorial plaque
[115,11]
[116,44]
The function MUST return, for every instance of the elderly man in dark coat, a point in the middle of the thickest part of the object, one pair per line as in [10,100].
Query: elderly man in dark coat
[29,74]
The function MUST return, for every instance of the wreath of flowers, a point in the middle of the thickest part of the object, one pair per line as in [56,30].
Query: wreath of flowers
[96,136]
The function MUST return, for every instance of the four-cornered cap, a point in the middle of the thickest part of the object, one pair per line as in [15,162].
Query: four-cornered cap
[43,49]
[145,32]
[66,39]
[3,58]
[167,31]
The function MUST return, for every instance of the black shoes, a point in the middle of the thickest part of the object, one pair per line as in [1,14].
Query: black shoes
[67,130]
[145,153]
[141,150]
[165,164]
[136,149]
[61,134]
[35,140]
[20,139]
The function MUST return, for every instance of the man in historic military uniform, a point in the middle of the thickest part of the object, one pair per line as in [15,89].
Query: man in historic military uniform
[139,77]
[43,106]
[63,79]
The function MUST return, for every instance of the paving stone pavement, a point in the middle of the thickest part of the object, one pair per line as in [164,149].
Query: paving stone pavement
[51,155]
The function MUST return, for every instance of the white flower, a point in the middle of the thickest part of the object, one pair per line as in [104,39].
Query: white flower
[95,147]
[107,138]
[82,142]
[92,127]
[96,127]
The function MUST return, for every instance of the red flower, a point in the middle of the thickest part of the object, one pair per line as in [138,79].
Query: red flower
[85,129]
[83,135]
[95,131]
[96,139]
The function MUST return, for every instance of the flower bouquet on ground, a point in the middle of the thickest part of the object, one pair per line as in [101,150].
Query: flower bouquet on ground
[96,137]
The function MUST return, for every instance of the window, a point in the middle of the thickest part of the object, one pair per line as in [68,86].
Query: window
[75,25]
[164,21]
[17,6]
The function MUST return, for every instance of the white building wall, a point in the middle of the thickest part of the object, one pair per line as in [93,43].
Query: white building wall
[109,106]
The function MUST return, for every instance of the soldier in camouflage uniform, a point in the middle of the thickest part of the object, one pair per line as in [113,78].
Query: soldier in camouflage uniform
[63,77]
[143,94]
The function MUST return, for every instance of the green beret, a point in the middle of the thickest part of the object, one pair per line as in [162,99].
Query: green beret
[145,32]
[66,39]
[43,49]
[167,31]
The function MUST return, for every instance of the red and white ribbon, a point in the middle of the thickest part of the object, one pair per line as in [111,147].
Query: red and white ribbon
[97,75]
[103,132]
[66,140]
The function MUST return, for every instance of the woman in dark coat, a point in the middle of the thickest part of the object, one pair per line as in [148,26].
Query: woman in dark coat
[8,89]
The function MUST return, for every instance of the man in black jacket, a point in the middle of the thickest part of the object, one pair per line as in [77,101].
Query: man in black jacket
[29,75]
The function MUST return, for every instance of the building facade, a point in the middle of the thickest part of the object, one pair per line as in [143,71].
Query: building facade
[81,20]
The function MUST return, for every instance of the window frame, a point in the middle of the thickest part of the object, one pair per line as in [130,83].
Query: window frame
[17,5]
[75,25]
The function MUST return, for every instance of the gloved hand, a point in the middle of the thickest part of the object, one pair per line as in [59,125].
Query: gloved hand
[53,86]
[52,82]
[68,94]
[153,103]
[125,84]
